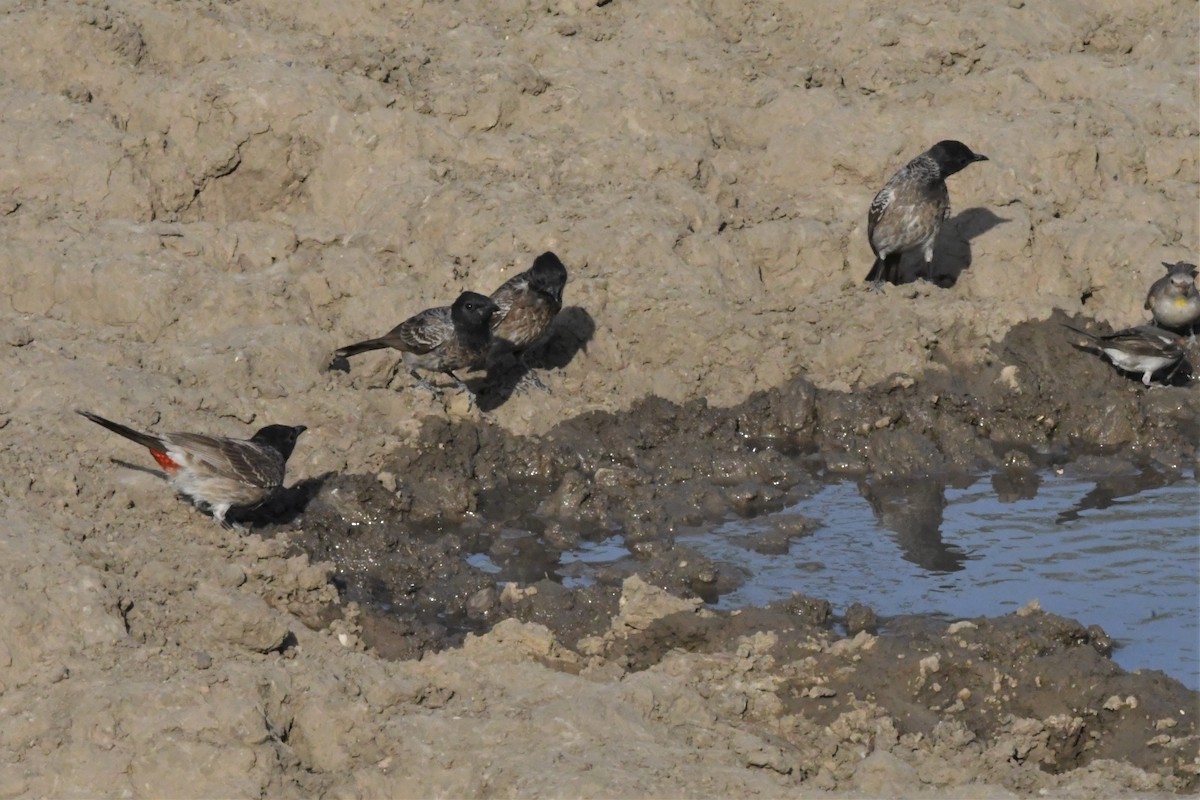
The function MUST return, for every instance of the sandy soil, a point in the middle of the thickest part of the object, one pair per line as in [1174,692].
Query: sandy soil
[199,202]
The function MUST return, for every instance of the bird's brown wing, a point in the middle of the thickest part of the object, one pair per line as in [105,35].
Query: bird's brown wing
[243,461]
[944,199]
[1145,340]
[506,295]
[422,332]
[875,213]
[530,314]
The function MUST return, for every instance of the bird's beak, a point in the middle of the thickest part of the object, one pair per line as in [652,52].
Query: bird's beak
[301,429]
[981,157]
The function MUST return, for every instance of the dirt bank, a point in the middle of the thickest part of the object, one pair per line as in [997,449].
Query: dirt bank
[200,201]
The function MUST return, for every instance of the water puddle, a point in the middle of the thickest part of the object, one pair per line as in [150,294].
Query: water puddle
[528,560]
[1121,552]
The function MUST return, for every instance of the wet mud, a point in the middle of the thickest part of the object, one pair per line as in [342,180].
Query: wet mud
[409,544]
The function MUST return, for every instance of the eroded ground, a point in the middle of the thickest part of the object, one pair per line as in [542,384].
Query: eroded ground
[200,201]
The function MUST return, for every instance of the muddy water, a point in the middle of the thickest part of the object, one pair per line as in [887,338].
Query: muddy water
[465,508]
[1120,552]
[871,498]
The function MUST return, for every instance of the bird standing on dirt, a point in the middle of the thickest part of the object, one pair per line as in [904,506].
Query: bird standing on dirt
[214,471]
[527,304]
[910,209]
[1145,349]
[440,339]
[1173,299]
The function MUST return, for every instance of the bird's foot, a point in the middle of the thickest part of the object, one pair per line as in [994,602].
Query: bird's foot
[422,383]
[529,379]
[231,526]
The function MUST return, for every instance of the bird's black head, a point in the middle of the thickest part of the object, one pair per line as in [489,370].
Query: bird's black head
[473,311]
[280,437]
[548,276]
[952,156]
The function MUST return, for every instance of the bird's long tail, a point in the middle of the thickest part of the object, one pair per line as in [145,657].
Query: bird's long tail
[1085,334]
[1092,345]
[144,439]
[361,347]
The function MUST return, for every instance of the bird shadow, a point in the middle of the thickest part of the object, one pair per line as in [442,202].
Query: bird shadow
[568,335]
[952,251]
[282,507]
[158,473]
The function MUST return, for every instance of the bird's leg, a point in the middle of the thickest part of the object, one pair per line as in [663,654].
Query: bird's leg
[219,513]
[424,384]
[928,253]
[532,378]
[891,268]
[879,271]
[467,389]
[529,375]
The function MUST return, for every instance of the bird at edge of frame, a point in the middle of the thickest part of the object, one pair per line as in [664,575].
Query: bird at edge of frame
[216,472]
[1145,350]
[908,212]
[1173,299]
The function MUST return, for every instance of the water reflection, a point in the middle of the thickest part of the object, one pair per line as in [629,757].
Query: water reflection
[914,511]
[1108,491]
[1122,551]
[1011,485]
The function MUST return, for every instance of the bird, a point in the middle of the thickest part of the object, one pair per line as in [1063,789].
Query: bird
[440,339]
[527,304]
[909,210]
[1145,349]
[215,471]
[1173,299]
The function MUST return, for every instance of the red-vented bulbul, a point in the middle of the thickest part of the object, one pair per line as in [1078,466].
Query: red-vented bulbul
[214,471]
[440,339]
[909,210]
[526,305]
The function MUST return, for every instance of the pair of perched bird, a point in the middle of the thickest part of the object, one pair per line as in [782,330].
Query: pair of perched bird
[477,328]
[908,213]
[221,473]
[1151,349]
